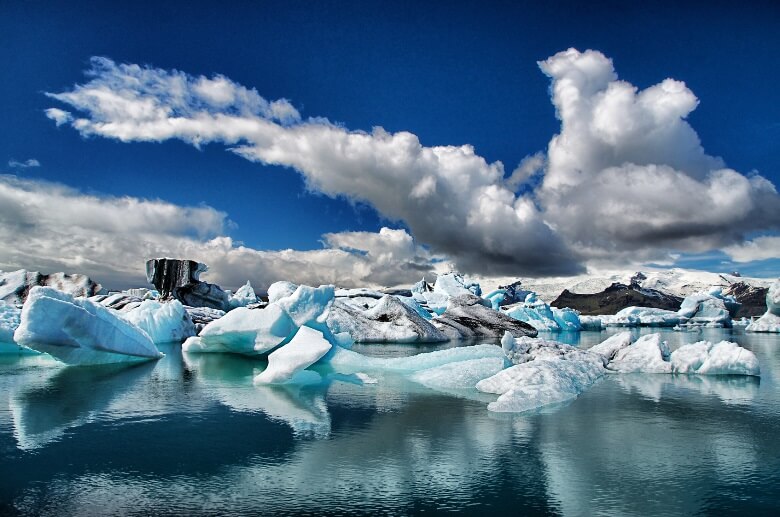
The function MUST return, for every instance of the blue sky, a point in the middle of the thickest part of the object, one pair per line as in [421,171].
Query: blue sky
[449,73]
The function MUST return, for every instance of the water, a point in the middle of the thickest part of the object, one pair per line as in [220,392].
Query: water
[192,435]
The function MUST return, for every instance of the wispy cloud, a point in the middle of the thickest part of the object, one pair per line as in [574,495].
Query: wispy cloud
[26,164]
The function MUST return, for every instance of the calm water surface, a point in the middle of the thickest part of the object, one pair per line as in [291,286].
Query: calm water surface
[192,435]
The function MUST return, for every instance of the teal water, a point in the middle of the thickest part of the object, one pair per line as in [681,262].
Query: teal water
[192,435]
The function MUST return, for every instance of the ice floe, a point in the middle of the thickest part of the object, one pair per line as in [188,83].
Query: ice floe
[78,331]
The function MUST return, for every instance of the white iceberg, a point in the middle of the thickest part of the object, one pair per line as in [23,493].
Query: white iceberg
[645,317]
[454,284]
[537,313]
[648,354]
[244,296]
[244,331]
[279,290]
[389,320]
[9,321]
[348,361]
[770,321]
[610,346]
[307,304]
[77,331]
[164,322]
[710,308]
[542,382]
[306,348]
[724,358]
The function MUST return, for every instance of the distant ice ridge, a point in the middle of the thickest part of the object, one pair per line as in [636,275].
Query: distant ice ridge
[770,321]
[78,331]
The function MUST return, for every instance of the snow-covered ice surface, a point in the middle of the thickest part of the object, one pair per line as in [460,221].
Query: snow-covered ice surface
[770,320]
[306,348]
[649,354]
[709,307]
[644,317]
[723,358]
[78,331]
[164,322]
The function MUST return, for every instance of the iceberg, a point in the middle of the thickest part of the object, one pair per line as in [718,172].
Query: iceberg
[307,304]
[770,320]
[347,361]
[541,316]
[415,305]
[454,284]
[724,358]
[279,290]
[9,321]
[645,317]
[541,382]
[591,322]
[164,322]
[610,346]
[390,320]
[467,317]
[306,348]
[649,354]
[78,331]
[244,331]
[710,308]
[15,285]
[243,297]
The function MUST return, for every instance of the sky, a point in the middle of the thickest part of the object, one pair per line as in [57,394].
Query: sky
[373,143]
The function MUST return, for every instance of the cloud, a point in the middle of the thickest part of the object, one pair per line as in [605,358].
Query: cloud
[32,162]
[50,227]
[761,248]
[626,180]
[627,175]
[450,198]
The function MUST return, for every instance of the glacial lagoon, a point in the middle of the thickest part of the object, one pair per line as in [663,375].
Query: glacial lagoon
[191,433]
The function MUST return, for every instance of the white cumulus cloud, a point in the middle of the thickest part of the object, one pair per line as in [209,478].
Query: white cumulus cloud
[626,179]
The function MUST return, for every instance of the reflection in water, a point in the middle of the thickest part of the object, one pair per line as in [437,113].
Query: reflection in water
[68,397]
[192,433]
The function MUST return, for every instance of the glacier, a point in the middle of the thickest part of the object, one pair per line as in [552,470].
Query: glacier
[84,333]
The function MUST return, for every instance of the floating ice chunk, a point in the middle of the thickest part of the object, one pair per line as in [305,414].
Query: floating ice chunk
[77,331]
[436,302]
[163,322]
[591,323]
[507,342]
[467,317]
[306,348]
[279,290]
[9,321]
[421,287]
[649,354]
[460,374]
[646,317]
[708,308]
[308,304]
[541,382]
[567,319]
[453,284]
[767,323]
[496,298]
[244,331]
[610,346]
[243,297]
[724,358]
[389,320]
[770,321]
